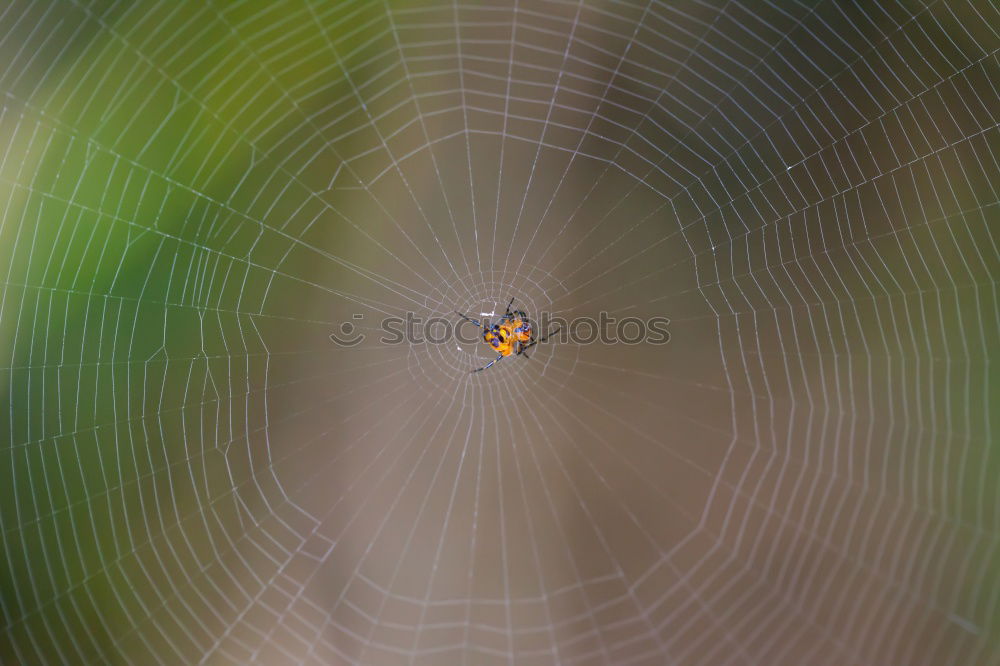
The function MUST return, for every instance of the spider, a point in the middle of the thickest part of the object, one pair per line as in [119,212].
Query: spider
[511,335]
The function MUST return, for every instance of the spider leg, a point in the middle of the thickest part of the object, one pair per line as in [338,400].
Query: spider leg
[508,306]
[549,334]
[535,341]
[470,320]
[488,364]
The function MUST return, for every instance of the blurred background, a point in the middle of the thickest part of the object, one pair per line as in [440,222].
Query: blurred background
[196,195]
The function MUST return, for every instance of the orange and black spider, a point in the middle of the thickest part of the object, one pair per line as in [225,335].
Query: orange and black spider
[513,334]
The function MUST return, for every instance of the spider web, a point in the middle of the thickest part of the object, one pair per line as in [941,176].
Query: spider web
[195,195]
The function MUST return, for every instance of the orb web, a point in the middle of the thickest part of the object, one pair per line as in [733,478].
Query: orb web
[196,196]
